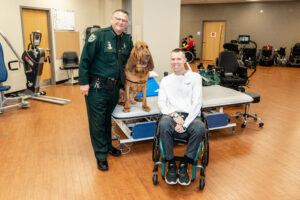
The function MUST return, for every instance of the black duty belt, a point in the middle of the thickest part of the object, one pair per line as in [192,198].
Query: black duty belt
[104,80]
[108,82]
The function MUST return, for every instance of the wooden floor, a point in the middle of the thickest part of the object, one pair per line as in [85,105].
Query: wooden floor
[46,153]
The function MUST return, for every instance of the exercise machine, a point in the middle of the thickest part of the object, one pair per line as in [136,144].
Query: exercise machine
[33,60]
[245,50]
[19,101]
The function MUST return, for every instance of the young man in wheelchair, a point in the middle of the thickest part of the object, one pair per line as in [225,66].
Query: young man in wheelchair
[179,100]
[189,49]
[190,45]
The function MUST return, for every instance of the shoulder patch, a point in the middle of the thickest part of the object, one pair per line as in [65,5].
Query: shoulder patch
[92,38]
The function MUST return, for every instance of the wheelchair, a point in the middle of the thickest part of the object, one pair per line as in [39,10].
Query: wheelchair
[266,56]
[245,50]
[279,56]
[202,156]
[294,58]
[190,55]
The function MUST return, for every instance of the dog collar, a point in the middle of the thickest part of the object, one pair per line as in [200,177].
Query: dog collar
[136,82]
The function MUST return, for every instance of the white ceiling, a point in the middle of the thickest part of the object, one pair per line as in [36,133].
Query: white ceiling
[223,1]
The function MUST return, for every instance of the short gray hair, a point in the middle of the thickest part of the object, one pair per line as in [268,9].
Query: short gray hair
[120,10]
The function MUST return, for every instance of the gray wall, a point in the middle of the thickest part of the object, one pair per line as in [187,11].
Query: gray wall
[278,25]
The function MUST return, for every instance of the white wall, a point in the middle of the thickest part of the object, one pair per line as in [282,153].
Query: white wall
[137,16]
[87,13]
[157,23]
[106,9]
[10,25]
[154,21]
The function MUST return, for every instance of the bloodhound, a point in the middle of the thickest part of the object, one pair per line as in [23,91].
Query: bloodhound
[137,73]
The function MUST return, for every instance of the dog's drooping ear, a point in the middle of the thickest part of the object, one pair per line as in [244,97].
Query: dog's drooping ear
[131,62]
[150,65]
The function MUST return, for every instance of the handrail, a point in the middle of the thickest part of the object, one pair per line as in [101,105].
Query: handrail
[12,48]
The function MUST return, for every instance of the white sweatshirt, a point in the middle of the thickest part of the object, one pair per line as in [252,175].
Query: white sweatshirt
[181,93]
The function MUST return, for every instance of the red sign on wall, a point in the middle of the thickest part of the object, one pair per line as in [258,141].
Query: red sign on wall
[213,34]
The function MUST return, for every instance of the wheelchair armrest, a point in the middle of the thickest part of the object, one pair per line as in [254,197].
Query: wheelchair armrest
[228,74]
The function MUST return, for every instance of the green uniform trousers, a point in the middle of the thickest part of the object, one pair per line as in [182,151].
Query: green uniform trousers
[100,104]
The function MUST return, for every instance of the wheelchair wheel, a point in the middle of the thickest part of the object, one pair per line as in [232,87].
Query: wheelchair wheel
[276,59]
[155,146]
[202,183]
[154,179]
[261,124]
[189,56]
[205,157]
[155,149]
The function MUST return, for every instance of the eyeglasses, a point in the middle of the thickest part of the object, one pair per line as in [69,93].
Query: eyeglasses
[119,19]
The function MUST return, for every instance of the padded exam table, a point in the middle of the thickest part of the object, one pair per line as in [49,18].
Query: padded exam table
[139,125]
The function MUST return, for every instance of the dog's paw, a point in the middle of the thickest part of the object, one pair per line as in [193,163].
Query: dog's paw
[121,103]
[126,110]
[133,102]
[146,108]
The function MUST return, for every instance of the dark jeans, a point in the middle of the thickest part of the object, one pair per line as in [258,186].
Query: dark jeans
[194,133]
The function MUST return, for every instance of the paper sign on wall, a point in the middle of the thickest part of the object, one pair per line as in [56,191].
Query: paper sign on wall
[63,19]
[213,34]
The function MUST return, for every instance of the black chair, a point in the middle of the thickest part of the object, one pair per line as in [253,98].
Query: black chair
[91,29]
[232,74]
[232,47]
[70,62]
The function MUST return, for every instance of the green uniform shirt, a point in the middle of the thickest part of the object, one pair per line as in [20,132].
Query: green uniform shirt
[99,56]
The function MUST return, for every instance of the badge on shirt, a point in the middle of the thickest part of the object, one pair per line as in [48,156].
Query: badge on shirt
[92,38]
[124,46]
[109,45]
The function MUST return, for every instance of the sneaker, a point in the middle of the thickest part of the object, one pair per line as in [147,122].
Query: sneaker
[171,177]
[184,178]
